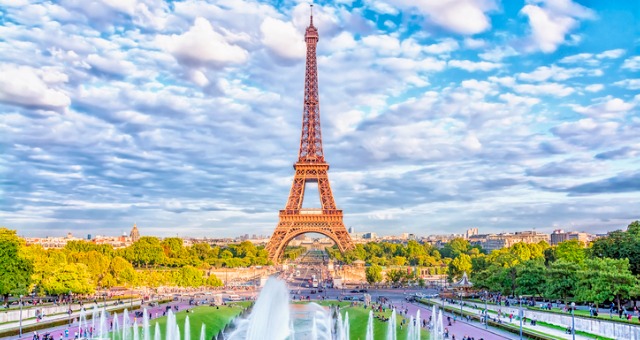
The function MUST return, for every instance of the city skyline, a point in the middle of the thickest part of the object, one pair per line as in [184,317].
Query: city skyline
[505,116]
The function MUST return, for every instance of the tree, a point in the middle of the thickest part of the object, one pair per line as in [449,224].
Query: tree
[147,251]
[621,245]
[71,277]
[188,276]
[395,275]
[530,278]
[561,278]
[15,268]
[460,265]
[214,281]
[571,251]
[605,280]
[455,247]
[374,274]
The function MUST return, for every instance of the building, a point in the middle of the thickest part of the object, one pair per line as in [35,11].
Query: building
[560,235]
[134,234]
[504,240]
[471,232]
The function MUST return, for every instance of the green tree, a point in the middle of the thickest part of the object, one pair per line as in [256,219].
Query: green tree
[214,281]
[188,276]
[530,278]
[395,275]
[455,247]
[605,280]
[571,251]
[374,274]
[71,277]
[561,278]
[460,265]
[147,251]
[15,268]
[621,245]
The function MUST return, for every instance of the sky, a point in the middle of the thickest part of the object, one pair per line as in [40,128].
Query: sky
[184,116]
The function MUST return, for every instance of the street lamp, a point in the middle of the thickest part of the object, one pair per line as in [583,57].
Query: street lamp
[21,315]
[460,306]
[520,312]
[573,325]
[69,312]
[486,311]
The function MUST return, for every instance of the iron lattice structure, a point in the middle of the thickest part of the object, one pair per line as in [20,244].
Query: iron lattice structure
[310,167]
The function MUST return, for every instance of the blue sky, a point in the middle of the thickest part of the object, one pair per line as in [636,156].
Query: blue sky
[437,116]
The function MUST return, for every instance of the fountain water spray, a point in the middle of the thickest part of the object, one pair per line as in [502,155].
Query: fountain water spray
[391,328]
[203,333]
[369,335]
[270,318]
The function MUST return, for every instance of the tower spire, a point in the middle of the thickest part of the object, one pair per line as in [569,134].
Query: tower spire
[311,138]
[311,19]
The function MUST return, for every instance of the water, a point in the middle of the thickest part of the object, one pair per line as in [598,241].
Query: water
[187,329]
[203,333]
[369,335]
[157,335]
[391,327]
[270,318]
[437,324]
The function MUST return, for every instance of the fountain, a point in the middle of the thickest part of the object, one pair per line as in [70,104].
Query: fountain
[369,335]
[437,327]
[156,333]
[203,333]
[391,328]
[187,329]
[270,316]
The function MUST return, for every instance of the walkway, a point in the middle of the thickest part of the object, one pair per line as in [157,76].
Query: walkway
[514,321]
[458,328]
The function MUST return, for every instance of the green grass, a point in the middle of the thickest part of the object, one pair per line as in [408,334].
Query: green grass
[358,318]
[581,313]
[214,319]
[582,333]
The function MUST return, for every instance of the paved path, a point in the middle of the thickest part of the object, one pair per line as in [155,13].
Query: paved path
[515,322]
[457,328]
[59,331]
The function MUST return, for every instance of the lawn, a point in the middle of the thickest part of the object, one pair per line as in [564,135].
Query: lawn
[358,318]
[214,319]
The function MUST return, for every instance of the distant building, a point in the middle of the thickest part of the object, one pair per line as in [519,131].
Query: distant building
[498,241]
[369,236]
[351,230]
[471,232]
[560,235]
[134,234]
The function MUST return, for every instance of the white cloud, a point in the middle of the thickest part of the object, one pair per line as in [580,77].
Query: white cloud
[611,54]
[498,53]
[629,84]
[553,21]
[474,43]
[443,47]
[557,73]
[29,87]
[383,44]
[611,108]
[460,16]
[594,87]
[110,64]
[632,63]
[551,89]
[282,39]
[587,58]
[202,46]
[514,100]
[471,142]
[473,66]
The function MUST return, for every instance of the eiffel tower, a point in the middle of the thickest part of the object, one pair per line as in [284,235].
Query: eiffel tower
[310,167]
